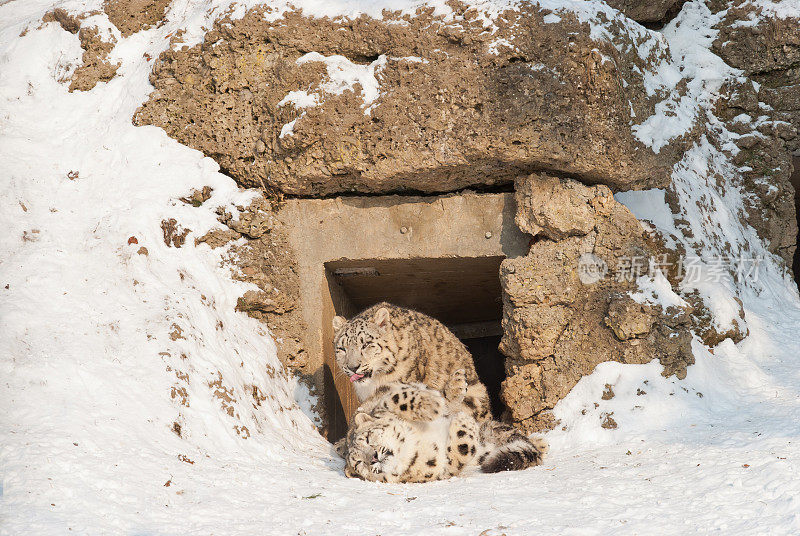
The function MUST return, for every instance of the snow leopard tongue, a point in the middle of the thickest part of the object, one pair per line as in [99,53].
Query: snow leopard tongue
[356,377]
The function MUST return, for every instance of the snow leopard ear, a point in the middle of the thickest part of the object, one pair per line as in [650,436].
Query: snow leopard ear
[338,322]
[382,317]
[341,447]
[362,418]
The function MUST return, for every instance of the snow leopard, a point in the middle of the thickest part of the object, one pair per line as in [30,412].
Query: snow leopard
[411,433]
[386,343]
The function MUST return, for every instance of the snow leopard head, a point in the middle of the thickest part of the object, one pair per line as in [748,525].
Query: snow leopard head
[376,449]
[361,345]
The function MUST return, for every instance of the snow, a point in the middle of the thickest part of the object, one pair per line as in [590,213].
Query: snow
[95,338]
[300,99]
[343,75]
[782,9]
[410,59]
[494,46]
[650,205]
[672,119]
[655,289]
[288,128]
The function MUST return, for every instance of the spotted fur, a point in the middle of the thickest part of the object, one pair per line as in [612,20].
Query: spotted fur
[386,344]
[438,440]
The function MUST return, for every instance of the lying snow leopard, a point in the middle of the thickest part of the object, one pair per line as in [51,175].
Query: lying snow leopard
[386,343]
[411,433]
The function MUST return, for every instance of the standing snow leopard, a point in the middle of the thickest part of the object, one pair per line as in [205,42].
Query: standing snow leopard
[410,433]
[386,343]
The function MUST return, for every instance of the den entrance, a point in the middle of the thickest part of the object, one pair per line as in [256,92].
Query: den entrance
[461,292]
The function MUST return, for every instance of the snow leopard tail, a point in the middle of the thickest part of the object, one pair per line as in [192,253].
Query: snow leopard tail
[512,451]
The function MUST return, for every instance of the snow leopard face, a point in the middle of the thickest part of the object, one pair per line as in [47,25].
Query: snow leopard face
[375,449]
[361,350]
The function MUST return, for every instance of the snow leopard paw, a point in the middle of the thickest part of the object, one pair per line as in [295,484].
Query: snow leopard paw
[456,388]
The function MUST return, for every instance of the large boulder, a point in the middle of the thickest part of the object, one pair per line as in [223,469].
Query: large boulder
[766,46]
[571,304]
[313,106]
[764,116]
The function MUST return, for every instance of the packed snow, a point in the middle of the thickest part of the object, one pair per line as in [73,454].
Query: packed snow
[137,401]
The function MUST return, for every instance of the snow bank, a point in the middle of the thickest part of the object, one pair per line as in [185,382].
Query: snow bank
[136,401]
[123,369]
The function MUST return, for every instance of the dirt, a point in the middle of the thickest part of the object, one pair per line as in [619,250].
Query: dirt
[608,422]
[198,196]
[96,67]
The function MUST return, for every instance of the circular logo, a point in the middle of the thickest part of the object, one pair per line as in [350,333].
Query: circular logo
[591,268]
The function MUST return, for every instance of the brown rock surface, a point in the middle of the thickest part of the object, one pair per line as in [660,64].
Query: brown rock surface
[69,22]
[443,105]
[559,320]
[131,16]
[629,319]
[174,233]
[646,10]
[267,261]
[252,221]
[768,51]
[95,67]
[218,238]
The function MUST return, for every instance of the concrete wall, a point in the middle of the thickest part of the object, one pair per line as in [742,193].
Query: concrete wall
[387,227]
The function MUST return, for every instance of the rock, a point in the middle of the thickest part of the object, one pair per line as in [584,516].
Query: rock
[264,302]
[218,238]
[706,327]
[628,319]
[252,221]
[647,10]
[174,234]
[532,331]
[198,197]
[268,262]
[549,278]
[767,48]
[523,387]
[608,422]
[559,325]
[95,67]
[69,22]
[131,16]
[441,104]
[564,214]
